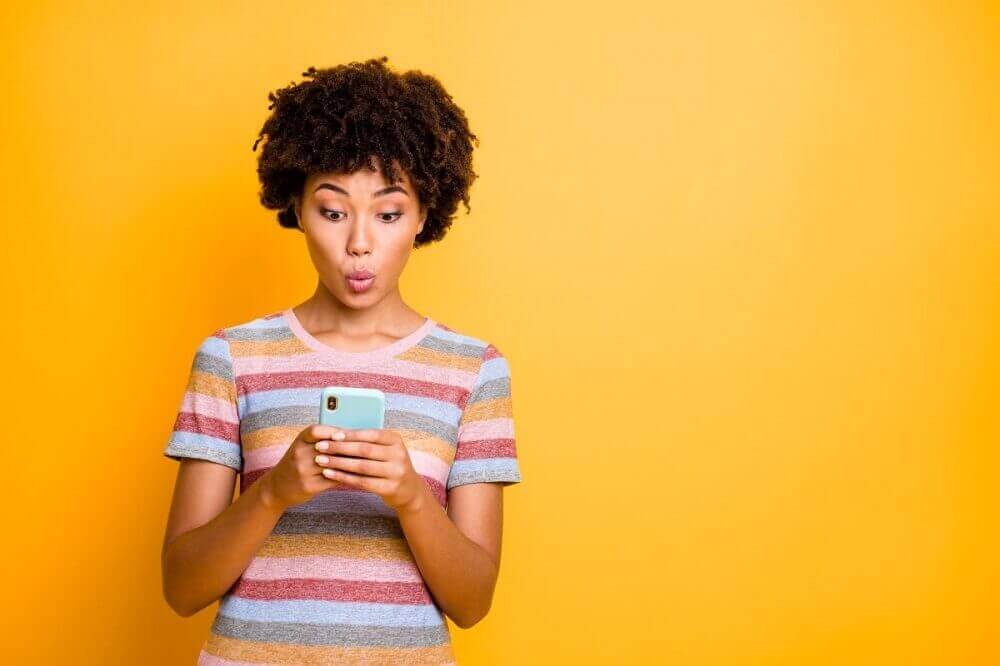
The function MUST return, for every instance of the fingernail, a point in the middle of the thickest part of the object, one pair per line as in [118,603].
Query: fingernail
[322,460]
[322,446]
[340,434]
[328,472]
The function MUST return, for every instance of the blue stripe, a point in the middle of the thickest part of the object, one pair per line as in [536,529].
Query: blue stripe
[483,470]
[199,440]
[330,612]
[493,369]
[217,347]
[441,334]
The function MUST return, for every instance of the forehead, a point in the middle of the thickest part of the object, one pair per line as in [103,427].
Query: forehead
[362,179]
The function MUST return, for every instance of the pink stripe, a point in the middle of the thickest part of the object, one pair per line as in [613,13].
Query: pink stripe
[502,428]
[206,659]
[428,464]
[209,405]
[267,456]
[257,364]
[344,568]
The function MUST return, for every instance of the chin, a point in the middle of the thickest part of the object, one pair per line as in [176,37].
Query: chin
[358,301]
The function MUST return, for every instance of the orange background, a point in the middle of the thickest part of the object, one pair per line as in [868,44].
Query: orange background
[742,258]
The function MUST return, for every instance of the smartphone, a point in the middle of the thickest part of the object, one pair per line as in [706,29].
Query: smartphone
[352,408]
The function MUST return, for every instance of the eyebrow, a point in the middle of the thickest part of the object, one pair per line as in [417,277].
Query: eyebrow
[377,193]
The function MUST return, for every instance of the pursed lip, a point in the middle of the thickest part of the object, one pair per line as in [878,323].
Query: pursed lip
[360,275]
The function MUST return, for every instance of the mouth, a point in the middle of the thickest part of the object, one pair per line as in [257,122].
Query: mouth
[360,281]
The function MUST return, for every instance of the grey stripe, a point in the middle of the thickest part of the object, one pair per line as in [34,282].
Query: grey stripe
[213,365]
[495,388]
[330,634]
[295,415]
[506,474]
[301,522]
[395,418]
[451,347]
[260,334]
[339,501]
[177,451]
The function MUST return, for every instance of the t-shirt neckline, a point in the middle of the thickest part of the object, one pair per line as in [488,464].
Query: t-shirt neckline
[378,354]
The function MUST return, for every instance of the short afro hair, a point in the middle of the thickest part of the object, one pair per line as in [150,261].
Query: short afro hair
[342,117]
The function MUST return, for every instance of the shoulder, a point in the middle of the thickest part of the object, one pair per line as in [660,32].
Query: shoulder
[220,341]
[485,353]
[248,329]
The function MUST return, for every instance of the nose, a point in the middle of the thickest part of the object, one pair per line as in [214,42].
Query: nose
[359,240]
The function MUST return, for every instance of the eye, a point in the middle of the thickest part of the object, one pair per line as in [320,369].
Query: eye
[397,215]
[324,211]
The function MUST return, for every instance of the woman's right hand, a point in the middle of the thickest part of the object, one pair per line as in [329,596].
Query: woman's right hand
[297,477]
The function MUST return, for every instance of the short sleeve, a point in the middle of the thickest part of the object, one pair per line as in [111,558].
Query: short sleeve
[485,450]
[208,424]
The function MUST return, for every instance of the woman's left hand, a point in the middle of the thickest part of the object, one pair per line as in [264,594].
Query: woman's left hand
[381,465]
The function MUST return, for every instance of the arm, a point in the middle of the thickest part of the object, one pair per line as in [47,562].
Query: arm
[210,541]
[458,551]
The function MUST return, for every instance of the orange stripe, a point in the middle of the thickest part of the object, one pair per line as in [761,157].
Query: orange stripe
[335,545]
[418,440]
[254,651]
[287,347]
[439,359]
[206,383]
[270,436]
[494,408]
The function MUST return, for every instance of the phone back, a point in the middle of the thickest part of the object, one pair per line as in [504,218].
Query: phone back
[350,407]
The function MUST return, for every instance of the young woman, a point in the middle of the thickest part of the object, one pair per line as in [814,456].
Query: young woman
[345,546]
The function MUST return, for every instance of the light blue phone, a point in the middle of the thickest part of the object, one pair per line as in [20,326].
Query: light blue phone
[352,408]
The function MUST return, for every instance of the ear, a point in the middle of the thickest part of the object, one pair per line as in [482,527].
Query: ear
[298,212]
[420,227]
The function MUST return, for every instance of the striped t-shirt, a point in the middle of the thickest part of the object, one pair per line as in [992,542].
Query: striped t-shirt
[335,582]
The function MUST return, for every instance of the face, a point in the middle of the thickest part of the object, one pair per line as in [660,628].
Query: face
[359,230]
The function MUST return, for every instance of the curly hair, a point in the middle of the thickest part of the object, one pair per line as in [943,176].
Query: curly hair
[343,116]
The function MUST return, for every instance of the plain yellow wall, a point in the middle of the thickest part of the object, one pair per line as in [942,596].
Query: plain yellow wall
[742,258]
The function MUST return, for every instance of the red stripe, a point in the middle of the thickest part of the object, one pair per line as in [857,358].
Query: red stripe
[319,589]
[267,381]
[207,425]
[485,448]
[491,352]
[437,489]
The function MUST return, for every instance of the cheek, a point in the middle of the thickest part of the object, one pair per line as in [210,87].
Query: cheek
[323,251]
[395,252]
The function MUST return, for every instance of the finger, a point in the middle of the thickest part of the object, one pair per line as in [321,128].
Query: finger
[317,431]
[373,435]
[353,448]
[373,468]
[368,483]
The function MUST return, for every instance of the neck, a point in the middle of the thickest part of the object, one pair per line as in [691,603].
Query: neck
[389,316]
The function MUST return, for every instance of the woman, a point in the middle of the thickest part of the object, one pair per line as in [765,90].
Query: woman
[345,546]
